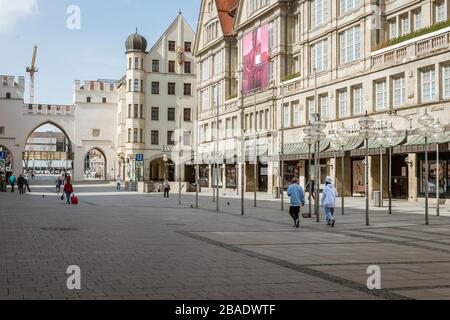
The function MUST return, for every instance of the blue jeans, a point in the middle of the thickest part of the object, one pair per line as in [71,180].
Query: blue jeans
[68,197]
[329,213]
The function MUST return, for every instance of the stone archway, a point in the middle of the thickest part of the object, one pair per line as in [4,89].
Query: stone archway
[48,150]
[95,165]
[159,170]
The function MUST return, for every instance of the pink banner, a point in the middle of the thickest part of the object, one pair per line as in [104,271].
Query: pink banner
[256,59]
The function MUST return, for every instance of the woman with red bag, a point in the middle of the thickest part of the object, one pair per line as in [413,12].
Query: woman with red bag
[68,190]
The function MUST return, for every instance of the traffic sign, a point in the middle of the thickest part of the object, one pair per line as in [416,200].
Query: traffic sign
[2,163]
[2,154]
[139,157]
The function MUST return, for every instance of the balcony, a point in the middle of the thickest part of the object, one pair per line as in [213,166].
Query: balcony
[411,49]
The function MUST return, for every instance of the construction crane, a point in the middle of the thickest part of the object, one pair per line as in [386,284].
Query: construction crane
[32,70]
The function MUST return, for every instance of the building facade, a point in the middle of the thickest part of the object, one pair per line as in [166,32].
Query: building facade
[337,60]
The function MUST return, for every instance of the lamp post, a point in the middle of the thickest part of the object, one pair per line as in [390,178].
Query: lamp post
[341,140]
[309,141]
[390,135]
[366,133]
[426,131]
[439,129]
[318,126]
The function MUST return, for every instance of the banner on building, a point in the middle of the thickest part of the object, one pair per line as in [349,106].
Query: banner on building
[256,59]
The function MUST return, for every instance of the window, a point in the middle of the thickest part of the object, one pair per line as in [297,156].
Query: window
[129,136]
[272,71]
[404,21]
[136,85]
[296,29]
[171,66]
[187,89]
[286,116]
[8,95]
[170,138]
[129,63]
[129,84]
[357,100]
[155,65]
[417,16]
[349,5]
[171,114]
[142,63]
[103,100]
[217,95]
[141,112]
[187,67]
[187,114]
[350,49]
[343,103]
[428,84]
[2,130]
[218,63]
[273,34]
[141,135]
[381,95]
[171,88]
[446,81]
[155,114]
[392,29]
[323,105]
[319,56]
[311,103]
[142,85]
[171,45]
[136,111]
[399,91]
[129,111]
[440,11]
[136,63]
[205,70]
[155,137]
[205,99]
[155,87]
[135,135]
[295,114]
[187,46]
[319,12]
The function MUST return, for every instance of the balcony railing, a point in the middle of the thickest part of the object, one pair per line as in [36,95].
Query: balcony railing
[411,49]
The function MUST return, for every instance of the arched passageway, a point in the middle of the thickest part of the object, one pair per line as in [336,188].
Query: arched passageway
[95,165]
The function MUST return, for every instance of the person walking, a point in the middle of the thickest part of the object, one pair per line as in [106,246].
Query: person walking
[27,184]
[310,186]
[118,182]
[68,190]
[21,183]
[297,195]
[328,201]
[166,190]
[58,183]
[12,181]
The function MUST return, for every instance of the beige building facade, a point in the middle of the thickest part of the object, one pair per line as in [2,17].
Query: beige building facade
[338,60]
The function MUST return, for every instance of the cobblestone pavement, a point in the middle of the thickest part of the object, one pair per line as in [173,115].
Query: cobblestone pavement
[136,246]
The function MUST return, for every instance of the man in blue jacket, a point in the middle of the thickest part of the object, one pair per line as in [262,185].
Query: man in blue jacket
[297,195]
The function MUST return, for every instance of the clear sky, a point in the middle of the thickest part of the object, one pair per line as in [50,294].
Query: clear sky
[95,51]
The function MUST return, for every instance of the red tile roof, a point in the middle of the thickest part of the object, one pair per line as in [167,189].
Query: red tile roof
[225,8]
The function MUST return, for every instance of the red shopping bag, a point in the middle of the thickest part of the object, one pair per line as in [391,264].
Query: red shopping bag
[74,199]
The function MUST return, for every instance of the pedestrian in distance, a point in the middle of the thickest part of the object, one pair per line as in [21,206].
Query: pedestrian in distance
[297,195]
[12,181]
[68,190]
[21,183]
[27,184]
[58,184]
[166,190]
[310,186]
[328,201]
[118,183]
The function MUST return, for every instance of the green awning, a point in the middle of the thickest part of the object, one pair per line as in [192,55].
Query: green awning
[415,140]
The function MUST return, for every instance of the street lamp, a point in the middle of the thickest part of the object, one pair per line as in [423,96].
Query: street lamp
[439,130]
[309,141]
[318,126]
[426,131]
[340,140]
[390,135]
[366,133]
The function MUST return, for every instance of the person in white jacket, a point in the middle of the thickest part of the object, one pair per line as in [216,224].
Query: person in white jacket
[328,201]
